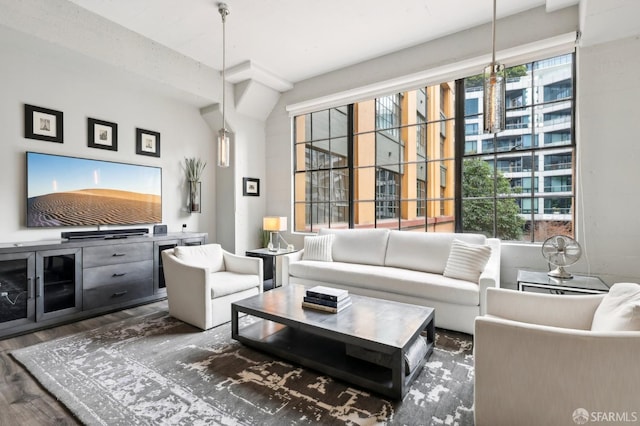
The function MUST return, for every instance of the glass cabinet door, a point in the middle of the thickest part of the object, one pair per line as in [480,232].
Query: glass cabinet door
[158,272]
[58,283]
[16,289]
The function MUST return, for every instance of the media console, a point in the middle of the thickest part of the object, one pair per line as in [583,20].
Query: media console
[43,284]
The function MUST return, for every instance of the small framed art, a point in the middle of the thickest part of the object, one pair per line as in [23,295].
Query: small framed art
[43,124]
[251,187]
[147,142]
[102,134]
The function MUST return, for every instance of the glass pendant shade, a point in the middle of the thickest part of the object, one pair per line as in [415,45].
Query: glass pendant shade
[223,148]
[494,98]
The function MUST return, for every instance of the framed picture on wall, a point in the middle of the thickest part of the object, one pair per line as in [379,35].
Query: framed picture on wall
[43,124]
[102,134]
[251,187]
[147,142]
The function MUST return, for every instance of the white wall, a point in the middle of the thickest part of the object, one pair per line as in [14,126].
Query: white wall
[609,154]
[608,89]
[249,161]
[42,74]
[239,217]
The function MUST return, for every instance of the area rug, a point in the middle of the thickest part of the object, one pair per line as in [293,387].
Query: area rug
[156,370]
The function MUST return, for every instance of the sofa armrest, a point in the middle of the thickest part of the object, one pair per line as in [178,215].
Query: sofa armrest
[188,290]
[287,259]
[553,310]
[243,265]
[521,367]
[490,277]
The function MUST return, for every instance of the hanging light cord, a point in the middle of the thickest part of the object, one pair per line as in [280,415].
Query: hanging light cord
[493,35]
[222,8]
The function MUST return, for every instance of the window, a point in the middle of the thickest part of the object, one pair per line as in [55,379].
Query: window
[515,98]
[558,161]
[557,206]
[559,90]
[421,194]
[560,137]
[393,162]
[557,184]
[517,122]
[387,190]
[471,147]
[392,167]
[322,173]
[471,128]
[388,115]
[523,184]
[539,130]
[471,106]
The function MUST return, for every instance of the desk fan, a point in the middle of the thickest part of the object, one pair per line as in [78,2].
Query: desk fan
[561,251]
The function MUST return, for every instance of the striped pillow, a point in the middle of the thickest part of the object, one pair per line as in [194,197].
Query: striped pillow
[466,261]
[318,248]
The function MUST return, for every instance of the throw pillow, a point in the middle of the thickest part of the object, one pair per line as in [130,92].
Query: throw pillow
[619,309]
[203,256]
[318,248]
[466,261]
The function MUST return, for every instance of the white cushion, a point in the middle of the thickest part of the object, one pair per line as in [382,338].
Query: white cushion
[424,251]
[466,261]
[619,309]
[224,283]
[421,285]
[365,246]
[318,248]
[203,256]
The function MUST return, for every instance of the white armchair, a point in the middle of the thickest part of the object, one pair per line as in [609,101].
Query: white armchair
[203,281]
[537,361]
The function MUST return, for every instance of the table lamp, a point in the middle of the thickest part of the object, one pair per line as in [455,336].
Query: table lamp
[275,224]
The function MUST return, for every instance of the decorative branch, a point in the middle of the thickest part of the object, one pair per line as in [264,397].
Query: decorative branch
[194,168]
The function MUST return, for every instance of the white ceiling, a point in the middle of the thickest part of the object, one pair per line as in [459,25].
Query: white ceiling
[297,39]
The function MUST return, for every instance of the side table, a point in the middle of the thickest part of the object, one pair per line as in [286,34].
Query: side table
[271,261]
[540,282]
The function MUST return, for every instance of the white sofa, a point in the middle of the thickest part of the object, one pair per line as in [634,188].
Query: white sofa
[203,281]
[403,266]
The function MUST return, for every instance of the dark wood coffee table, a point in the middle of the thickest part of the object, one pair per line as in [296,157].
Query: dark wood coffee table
[320,340]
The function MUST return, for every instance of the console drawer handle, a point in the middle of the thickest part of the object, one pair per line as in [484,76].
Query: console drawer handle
[119,275]
[120,293]
[119,254]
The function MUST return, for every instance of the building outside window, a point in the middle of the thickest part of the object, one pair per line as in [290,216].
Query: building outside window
[388,115]
[391,161]
[534,154]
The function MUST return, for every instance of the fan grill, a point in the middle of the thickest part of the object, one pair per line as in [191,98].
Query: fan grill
[561,251]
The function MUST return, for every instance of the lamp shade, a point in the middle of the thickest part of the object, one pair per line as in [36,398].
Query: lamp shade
[223,148]
[274,223]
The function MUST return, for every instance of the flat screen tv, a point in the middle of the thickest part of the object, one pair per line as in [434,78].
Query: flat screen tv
[70,191]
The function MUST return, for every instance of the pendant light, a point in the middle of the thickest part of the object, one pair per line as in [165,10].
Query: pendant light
[494,88]
[223,135]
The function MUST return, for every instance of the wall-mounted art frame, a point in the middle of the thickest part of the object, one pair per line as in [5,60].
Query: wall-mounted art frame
[43,124]
[102,134]
[147,142]
[251,187]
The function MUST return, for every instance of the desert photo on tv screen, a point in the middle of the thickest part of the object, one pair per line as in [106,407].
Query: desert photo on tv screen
[70,191]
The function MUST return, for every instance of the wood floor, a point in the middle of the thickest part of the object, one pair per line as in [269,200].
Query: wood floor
[22,400]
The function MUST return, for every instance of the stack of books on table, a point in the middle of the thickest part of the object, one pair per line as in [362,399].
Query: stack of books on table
[326,299]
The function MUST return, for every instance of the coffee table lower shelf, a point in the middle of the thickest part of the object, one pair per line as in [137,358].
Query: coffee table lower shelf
[327,355]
